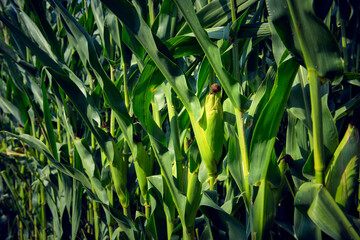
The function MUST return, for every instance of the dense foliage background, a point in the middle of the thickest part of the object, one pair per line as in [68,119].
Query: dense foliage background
[217,119]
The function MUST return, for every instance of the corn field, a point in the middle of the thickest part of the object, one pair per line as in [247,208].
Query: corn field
[179,119]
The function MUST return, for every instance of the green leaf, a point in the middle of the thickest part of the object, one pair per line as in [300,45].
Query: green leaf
[133,44]
[304,228]
[181,46]
[234,156]
[344,153]
[263,211]
[51,202]
[76,209]
[202,76]
[347,108]
[9,108]
[307,37]
[193,192]
[149,81]
[348,184]
[222,220]
[40,146]
[262,95]
[15,196]
[216,12]
[315,201]
[293,149]
[37,35]
[146,86]
[212,52]
[73,87]
[245,31]
[98,11]
[156,191]
[252,30]
[325,213]
[166,20]
[91,169]
[299,100]
[127,13]
[79,176]
[330,136]
[38,10]
[4,48]
[267,126]
[86,49]
[48,122]
[162,155]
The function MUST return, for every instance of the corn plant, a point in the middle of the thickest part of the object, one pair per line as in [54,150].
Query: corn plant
[179,119]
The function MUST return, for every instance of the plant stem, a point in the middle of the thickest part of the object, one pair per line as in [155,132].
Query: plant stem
[233,10]
[187,235]
[244,154]
[357,58]
[96,219]
[43,212]
[68,138]
[127,212]
[343,40]
[125,79]
[316,114]
[91,216]
[20,228]
[212,181]
[92,88]
[36,234]
[112,117]
[235,49]
[111,203]
[147,211]
[58,125]
[151,12]
[169,227]
[170,214]
[110,195]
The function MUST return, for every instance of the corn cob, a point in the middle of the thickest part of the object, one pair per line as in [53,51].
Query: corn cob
[143,165]
[214,128]
[118,170]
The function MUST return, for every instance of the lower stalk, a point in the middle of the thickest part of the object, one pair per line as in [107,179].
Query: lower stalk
[212,182]
[316,115]
[43,212]
[96,219]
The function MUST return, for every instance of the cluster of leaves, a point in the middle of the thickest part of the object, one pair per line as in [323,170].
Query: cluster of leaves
[109,125]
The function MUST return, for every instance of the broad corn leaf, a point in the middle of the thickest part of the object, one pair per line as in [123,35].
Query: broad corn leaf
[212,52]
[306,36]
[315,201]
[348,149]
[268,124]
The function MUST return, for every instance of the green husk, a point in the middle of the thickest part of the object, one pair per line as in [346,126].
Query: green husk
[214,128]
[143,166]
